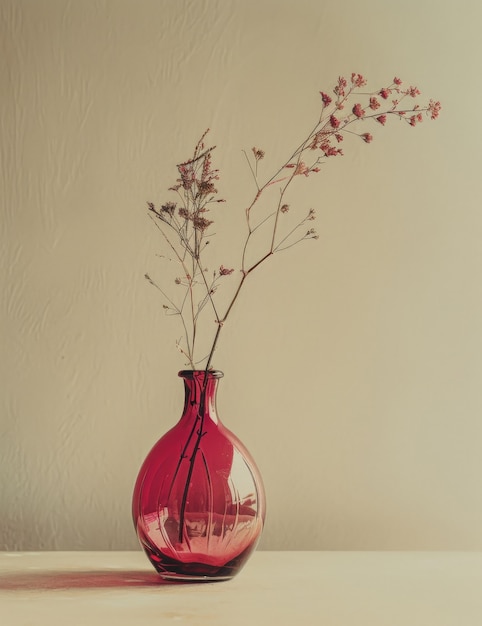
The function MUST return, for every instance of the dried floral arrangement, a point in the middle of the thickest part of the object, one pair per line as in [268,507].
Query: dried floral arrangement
[186,224]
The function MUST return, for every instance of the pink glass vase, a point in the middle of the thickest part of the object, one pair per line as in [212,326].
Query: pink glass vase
[199,503]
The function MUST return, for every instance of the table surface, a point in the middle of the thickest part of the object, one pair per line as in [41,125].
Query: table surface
[274,588]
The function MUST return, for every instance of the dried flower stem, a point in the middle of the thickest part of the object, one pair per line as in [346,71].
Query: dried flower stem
[189,224]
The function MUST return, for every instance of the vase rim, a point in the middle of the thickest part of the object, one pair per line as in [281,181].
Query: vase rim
[192,373]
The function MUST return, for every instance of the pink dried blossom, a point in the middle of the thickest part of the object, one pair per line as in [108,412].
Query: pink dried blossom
[434,109]
[206,187]
[415,119]
[413,92]
[312,234]
[374,103]
[258,154]
[384,93]
[201,223]
[301,168]
[187,176]
[358,80]
[334,122]
[206,171]
[358,111]
[329,150]
[326,99]
[367,138]
[397,81]
[224,271]
[318,138]
[169,208]
[340,87]
[381,119]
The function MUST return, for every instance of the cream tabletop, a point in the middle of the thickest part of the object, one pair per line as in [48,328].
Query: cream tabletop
[274,588]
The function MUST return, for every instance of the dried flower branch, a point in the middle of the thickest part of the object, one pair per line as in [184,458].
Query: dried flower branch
[185,227]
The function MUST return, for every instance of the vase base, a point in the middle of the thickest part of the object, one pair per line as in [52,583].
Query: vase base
[193,572]
[172,569]
[186,578]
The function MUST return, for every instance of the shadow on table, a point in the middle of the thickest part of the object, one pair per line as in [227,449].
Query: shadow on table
[39,581]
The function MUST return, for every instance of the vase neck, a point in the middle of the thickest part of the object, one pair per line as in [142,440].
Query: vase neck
[200,389]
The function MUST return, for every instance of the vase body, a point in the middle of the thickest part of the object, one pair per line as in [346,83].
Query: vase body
[199,503]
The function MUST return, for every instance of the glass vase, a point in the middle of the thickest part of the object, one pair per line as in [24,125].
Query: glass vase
[199,503]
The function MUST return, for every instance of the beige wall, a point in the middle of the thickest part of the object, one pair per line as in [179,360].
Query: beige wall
[353,365]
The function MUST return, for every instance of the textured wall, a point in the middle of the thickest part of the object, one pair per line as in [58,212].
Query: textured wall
[353,366]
